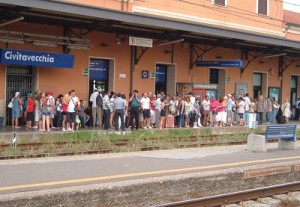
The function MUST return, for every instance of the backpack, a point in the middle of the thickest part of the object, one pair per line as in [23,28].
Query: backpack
[99,100]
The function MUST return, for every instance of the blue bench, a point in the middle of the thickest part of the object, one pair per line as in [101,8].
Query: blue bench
[281,132]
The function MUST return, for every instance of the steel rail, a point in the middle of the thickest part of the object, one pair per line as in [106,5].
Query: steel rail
[235,197]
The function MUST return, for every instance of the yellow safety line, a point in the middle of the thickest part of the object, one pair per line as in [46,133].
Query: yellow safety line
[141,174]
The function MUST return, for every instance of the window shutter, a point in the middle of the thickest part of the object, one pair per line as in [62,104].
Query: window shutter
[263,7]
[220,2]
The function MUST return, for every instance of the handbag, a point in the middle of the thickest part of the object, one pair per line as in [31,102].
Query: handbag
[10,105]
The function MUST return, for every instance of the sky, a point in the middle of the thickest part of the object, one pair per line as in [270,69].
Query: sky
[292,5]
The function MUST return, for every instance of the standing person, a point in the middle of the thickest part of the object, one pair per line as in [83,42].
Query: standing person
[247,107]
[112,110]
[106,111]
[72,110]
[269,117]
[224,114]
[145,104]
[58,115]
[152,111]
[97,105]
[29,110]
[135,105]
[206,107]
[126,108]
[260,109]
[188,111]
[45,104]
[157,109]
[181,109]
[163,114]
[229,110]
[37,111]
[119,106]
[65,103]
[241,110]
[297,113]
[196,114]
[287,110]
[16,110]
[275,107]
[213,110]
[52,108]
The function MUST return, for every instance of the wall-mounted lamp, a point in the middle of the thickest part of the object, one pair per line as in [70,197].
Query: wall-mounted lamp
[275,55]
[271,71]
[104,44]
[262,62]
[118,41]
[171,42]
[218,57]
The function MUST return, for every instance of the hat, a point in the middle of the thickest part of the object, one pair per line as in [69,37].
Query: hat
[51,92]
[17,94]
[29,94]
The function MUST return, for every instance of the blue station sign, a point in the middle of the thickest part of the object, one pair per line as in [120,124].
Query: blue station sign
[34,58]
[226,63]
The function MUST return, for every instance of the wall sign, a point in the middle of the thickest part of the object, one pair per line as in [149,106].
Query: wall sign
[226,63]
[34,58]
[98,69]
[145,74]
[205,86]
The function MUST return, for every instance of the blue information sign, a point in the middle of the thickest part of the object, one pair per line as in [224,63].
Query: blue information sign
[161,73]
[283,132]
[227,63]
[98,69]
[34,58]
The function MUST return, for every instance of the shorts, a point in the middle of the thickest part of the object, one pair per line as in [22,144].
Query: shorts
[45,112]
[241,115]
[146,113]
[71,117]
[30,116]
[64,113]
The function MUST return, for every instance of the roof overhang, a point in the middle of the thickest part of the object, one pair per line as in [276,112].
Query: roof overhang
[94,18]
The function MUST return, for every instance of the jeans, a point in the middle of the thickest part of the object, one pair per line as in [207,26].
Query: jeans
[274,111]
[134,114]
[269,116]
[181,121]
[58,119]
[119,113]
[106,119]
[259,117]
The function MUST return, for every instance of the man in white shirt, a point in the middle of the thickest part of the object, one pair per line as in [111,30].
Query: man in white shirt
[145,100]
[96,110]
[73,106]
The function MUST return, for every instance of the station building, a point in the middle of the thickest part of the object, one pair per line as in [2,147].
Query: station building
[211,47]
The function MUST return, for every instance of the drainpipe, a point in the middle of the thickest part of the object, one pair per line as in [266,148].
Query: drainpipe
[122,5]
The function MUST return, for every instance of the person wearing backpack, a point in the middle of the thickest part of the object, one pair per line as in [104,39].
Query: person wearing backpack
[97,106]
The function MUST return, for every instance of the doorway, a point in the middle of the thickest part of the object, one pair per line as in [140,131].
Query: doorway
[101,75]
[18,79]
[165,79]
[217,76]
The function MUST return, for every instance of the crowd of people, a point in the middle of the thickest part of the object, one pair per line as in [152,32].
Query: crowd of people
[113,111]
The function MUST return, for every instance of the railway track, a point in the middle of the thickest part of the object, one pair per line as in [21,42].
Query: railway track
[237,197]
[32,147]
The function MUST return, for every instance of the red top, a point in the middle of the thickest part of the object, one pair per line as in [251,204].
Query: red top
[30,105]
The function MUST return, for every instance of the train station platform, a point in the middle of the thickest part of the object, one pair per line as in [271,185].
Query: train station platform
[143,178]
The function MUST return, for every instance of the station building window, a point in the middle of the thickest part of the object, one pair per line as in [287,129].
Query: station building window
[220,2]
[262,7]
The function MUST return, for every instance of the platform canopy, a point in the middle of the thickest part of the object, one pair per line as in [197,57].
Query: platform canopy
[90,18]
